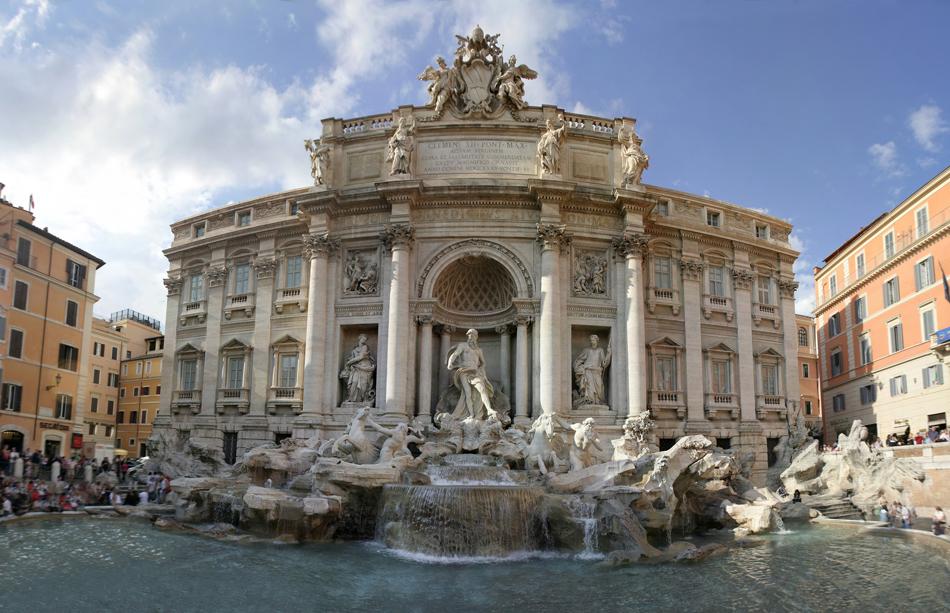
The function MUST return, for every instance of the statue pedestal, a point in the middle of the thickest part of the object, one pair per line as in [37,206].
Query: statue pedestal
[592,408]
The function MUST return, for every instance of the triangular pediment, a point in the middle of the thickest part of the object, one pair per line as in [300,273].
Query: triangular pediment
[665,341]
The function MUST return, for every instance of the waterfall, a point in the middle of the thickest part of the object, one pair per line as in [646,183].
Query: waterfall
[583,512]
[779,523]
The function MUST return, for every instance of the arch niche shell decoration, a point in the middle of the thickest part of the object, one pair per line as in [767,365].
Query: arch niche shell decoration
[505,258]
[474,285]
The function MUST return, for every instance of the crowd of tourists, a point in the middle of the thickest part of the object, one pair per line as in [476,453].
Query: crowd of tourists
[899,515]
[923,437]
[43,489]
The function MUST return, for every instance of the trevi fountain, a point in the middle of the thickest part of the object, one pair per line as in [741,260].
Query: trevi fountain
[527,381]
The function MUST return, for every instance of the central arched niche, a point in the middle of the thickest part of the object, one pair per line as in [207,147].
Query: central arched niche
[475,286]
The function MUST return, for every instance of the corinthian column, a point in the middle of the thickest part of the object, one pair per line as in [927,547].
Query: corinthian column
[398,240]
[504,335]
[521,369]
[425,364]
[445,345]
[317,247]
[551,237]
[632,246]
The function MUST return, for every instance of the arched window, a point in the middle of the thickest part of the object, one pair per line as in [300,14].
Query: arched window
[803,337]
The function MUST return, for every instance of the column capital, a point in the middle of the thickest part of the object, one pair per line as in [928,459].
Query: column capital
[692,269]
[787,288]
[173,285]
[446,328]
[503,329]
[265,267]
[631,244]
[216,275]
[319,245]
[424,319]
[742,278]
[553,236]
[523,319]
[398,236]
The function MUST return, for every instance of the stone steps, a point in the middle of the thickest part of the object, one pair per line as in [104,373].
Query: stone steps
[836,509]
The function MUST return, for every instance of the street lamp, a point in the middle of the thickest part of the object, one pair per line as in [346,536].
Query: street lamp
[59,379]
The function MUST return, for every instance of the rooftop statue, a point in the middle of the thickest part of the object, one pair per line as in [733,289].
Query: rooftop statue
[549,148]
[319,161]
[401,144]
[635,161]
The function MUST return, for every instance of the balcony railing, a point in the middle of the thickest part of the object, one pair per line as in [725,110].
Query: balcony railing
[766,311]
[187,399]
[666,399]
[196,308]
[291,397]
[291,295]
[722,404]
[233,397]
[769,403]
[717,304]
[665,296]
[239,302]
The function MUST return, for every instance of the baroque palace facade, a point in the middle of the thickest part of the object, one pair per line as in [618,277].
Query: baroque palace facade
[479,212]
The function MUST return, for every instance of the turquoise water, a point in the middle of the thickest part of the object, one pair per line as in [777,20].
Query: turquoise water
[115,565]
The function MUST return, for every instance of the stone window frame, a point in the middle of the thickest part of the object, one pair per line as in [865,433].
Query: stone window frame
[860,265]
[234,348]
[240,258]
[718,304]
[655,295]
[803,334]
[831,362]
[199,229]
[770,310]
[193,308]
[865,336]
[716,402]
[891,324]
[286,345]
[237,217]
[756,225]
[770,402]
[917,233]
[189,352]
[707,210]
[893,242]
[928,307]
[665,347]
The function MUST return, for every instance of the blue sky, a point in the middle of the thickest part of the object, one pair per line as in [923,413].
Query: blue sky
[121,117]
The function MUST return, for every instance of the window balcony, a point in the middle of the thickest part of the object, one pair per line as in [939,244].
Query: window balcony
[768,404]
[285,397]
[186,400]
[198,309]
[663,296]
[291,296]
[668,400]
[239,302]
[722,405]
[239,398]
[770,312]
[717,304]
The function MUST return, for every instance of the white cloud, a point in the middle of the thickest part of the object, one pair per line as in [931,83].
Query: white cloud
[582,109]
[805,295]
[291,21]
[884,156]
[30,14]
[927,124]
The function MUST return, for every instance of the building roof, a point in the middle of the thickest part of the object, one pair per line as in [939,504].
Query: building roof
[52,237]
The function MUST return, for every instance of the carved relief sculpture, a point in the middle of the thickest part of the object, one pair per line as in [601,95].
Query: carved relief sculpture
[468,365]
[549,148]
[589,369]
[635,161]
[359,374]
[361,273]
[401,144]
[319,161]
[590,274]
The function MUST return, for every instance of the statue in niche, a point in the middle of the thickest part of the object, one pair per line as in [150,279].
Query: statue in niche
[589,369]
[361,275]
[549,148]
[319,161]
[509,84]
[635,161]
[468,363]
[358,372]
[590,275]
[401,144]
[446,83]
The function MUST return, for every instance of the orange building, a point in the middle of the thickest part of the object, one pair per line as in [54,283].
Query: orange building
[47,293]
[881,307]
[808,371]
[102,372]
[139,394]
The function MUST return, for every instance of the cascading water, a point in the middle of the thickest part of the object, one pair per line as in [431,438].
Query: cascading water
[583,513]
[472,508]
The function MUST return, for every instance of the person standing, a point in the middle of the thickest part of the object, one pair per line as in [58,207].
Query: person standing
[939,522]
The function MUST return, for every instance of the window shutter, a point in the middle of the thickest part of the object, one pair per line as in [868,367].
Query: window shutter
[926,377]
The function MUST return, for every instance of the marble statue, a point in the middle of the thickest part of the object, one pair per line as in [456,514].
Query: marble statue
[635,161]
[360,274]
[509,84]
[637,438]
[401,144]
[545,445]
[478,46]
[358,372]
[549,148]
[397,445]
[468,365]
[319,161]
[446,440]
[590,275]
[589,369]
[586,444]
[445,86]
[356,445]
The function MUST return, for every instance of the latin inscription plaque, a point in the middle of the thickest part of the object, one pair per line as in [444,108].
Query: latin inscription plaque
[476,157]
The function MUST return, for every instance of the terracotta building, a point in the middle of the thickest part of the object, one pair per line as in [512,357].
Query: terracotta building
[46,289]
[102,372]
[140,388]
[881,307]
[808,371]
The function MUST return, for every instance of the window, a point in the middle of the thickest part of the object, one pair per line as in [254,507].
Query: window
[110,407]
[112,379]
[895,333]
[94,404]
[109,433]
[933,375]
[833,284]
[717,286]
[128,354]
[145,390]
[72,313]
[836,363]
[122,393]
[770,379]
[68,357]
[859,265]
[102,350]
[713,219]
[75,274]
[96,376]
[666,374]
[64,406]
[922,222]
[23,252]
[242,277]
[135,392]
[92,429]
[868,393]
[761,231]
[244,218]
[11,396]
[866,355]
[860,309]
[288,370]
[195,288]
[144,418]
[662,272]
[837,403]
[924,273]
[928,323]
[802,337]
[158,390]
[892,291]
[834,325]
[133,417]
[20,293]
[198,230]
[115,353]
[804,370]
[235,373]
[148,368]
[808,409]
[292,274]
[125,370]
[189,371]
[230,447]
[889,245]
[118,442]
[663,209]
[16,344]
[294,208]
[765,289]
[120,418]
[3,278]
[138,369]
[898,385]
[722,376]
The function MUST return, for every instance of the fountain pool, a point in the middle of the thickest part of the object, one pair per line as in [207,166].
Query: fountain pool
[98,565]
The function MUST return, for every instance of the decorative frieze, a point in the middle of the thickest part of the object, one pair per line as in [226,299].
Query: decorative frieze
[359,310]
[269,209]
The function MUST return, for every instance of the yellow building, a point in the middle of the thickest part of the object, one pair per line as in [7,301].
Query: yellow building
[140,388]
[102,373]
[47,292]
[808,371]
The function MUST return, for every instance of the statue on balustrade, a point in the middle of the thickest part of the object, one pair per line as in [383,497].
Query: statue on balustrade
[635,161]
[468,363]
[549,148]
[401,144]
[589,369]
[319,161]
[358,373]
